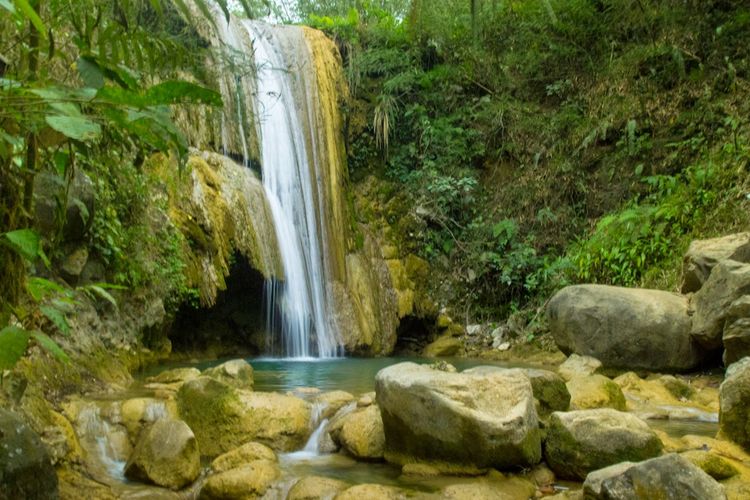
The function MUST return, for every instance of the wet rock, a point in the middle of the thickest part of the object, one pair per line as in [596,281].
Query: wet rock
[366,399]
[167,455]
[316,487]
[579,366]
[25,464]
[624,327]
[703,255]
[371,492]
[241,483]
[510,489]
[139,412]
[595,391]
[431,415]
[237,373]
[728,282]
[669,476]
[446,345]
[579,442]
[712,464]
[175,375]
[245,454]
[362,434]
[224,418]
[734,403]
[331,402]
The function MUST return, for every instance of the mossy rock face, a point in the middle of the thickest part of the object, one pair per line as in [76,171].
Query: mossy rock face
[579,442]
[237,373]
[245,454]
[430,415]
[734,400]
[595,391]
[362,434]
[669,476]
[224,418]
[712,464]
[25,466]
[315,487]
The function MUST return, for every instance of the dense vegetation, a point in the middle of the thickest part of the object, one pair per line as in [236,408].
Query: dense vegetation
[550,141]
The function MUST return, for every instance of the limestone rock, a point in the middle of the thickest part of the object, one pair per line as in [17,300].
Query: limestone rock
[736,340]
[510,489]
[712,464]
[175,375]
[595,391]
[624,327]
[224,418]
[734,403]
[242,483]
[577,366]
[316,487]
[728,282]
[25,466]
[669,476]
[548,387]
[331,402]
[432,415]
[370,492]
[446,345]
[237,373]
[579,442]
[139,412]
[362,434]
[248,452]
[167,455]
[703,255]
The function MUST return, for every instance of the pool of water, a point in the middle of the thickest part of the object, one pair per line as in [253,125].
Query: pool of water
[354,375]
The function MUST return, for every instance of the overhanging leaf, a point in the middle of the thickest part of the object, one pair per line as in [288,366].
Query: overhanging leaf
[173,92]
[97,291]
[50,346]
[90,72]
[78,128]
[57,317]
[25,242]
[28,11]
[40,288]
[13,343]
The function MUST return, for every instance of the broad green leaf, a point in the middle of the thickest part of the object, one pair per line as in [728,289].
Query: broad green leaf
[78,128]
[40,288]
[90,72]
[8,5]
[28,11]
[57,317]
[98,291]
[13,343]
[50,346]
[25,242]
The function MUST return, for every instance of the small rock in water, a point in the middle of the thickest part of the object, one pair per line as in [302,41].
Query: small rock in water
[443,366]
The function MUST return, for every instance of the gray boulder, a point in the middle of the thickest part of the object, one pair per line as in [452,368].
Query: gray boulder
[548,387]
[736,340]
[718,301]
[25,465]
[734,403]
[704,255]
[670,477]
[624,327]
[431,415]
[579,442]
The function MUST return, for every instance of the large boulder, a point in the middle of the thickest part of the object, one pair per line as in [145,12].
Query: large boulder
[624,327]
[242,483]
[315,488]
[25,465]
[669,477]
[361,434]
[431,415]
[579,442]
[703,255]
[224,418]
[716,303]
[736,339]
[248,452]
[734,403]
[167,455]
[237,373]
[579,366]
[595,391]
[548,387]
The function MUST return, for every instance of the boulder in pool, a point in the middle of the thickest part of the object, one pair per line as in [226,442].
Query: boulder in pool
[472,420]
[548,387]
[579,442]
[595,391]
[669,476]
[224,418]
[625,327]
[166,455]
[361,434]
[245,482]
[237,373]
[316,487]
[248,452]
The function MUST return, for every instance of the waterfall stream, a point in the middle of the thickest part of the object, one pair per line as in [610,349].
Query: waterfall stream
[298,307]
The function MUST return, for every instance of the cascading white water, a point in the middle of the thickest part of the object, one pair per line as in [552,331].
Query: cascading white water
[300,302]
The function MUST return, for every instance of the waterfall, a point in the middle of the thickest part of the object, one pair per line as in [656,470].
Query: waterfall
[286,119]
